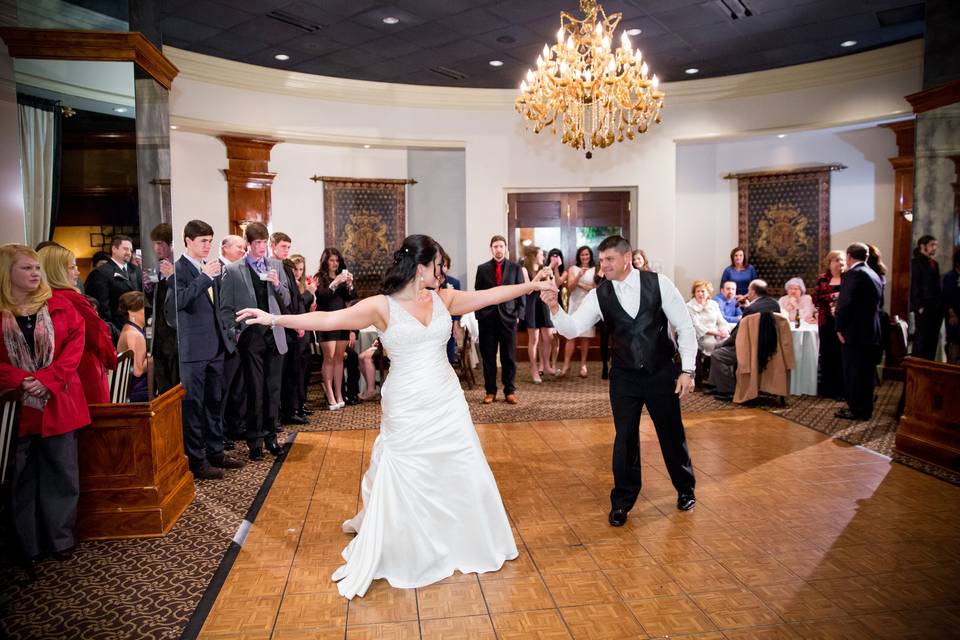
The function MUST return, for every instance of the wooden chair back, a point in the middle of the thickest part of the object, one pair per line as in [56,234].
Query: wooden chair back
[119,379]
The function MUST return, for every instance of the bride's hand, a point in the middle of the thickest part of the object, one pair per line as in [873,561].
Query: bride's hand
[254,316]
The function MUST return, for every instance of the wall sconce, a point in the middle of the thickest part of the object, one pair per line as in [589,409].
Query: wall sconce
[907,214]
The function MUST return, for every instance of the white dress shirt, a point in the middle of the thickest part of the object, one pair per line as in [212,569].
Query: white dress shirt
[628,294]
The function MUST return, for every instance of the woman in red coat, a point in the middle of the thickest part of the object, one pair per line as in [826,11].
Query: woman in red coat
[39,355]
[59,266]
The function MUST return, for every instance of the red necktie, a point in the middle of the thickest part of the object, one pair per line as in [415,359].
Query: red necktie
[499,273]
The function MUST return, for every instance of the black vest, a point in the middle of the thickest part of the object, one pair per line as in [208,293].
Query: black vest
[640,343]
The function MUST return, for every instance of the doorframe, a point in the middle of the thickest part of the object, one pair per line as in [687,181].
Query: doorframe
[634,210]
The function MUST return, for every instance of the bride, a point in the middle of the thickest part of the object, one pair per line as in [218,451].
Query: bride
[430,502]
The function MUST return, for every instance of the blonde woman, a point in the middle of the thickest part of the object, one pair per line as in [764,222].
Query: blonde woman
[708,321]
[39,356]
[59,265]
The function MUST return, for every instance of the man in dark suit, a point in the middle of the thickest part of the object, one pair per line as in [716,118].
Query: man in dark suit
[233,407]
[858,328]
[114,278]
[498,324]
[163,347]
[202,346]
[723,360]
[256,282]
[294,360]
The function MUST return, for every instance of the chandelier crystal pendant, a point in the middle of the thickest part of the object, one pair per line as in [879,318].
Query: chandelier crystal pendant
[592,95]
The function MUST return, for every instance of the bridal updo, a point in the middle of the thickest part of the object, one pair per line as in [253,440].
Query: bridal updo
[415,250]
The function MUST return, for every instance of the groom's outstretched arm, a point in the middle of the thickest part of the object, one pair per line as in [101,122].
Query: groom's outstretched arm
[571,326]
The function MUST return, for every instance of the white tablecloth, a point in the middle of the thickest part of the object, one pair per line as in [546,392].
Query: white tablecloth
[806,350]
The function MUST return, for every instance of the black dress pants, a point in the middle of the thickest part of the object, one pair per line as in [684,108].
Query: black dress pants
[859,375]
[496,335]
[351,369]
[927,333]
[629,391]
[44,491]
[233,403]
[294,363]
[202,425]
[262,374]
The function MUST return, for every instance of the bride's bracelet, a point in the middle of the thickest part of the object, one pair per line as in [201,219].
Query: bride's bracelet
[273,321]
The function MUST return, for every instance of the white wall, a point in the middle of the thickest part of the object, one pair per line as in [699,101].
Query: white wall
[199,189]
[501,155]
[436,205]
[861,196]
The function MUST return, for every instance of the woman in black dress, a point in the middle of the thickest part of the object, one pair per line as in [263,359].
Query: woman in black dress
[537,320]
[825,294]
[334,291]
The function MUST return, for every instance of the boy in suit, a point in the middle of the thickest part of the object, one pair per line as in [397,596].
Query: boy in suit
[202,347]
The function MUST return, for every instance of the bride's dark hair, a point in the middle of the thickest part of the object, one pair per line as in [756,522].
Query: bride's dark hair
[415,250]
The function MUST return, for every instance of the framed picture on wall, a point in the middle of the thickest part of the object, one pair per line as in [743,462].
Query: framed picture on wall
[96,240]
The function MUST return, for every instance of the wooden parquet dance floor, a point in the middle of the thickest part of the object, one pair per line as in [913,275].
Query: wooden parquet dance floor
[794,536]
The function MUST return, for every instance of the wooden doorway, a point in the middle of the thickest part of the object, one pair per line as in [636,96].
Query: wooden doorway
[566,221]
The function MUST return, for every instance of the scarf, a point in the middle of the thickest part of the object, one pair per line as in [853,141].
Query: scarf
[19,352]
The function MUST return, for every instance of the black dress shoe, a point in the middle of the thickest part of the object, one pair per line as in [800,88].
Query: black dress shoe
[294,419]
[605,373]
[274,448]
[256,453]
[63,555]
[224,462]
[303,411]
[726,397]
[206,472]
[686,501]
[617,517]
[846,414]
[228,445]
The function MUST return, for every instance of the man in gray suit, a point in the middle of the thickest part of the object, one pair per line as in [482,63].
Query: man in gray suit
[255,282]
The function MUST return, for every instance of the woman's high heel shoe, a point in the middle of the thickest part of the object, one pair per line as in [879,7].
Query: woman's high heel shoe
[583,371]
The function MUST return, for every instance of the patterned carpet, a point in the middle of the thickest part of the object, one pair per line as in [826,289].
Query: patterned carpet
[150,588]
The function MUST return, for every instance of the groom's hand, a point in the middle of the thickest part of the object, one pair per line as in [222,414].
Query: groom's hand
[684,385]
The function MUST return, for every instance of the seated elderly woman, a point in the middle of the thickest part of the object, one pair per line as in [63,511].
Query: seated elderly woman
[712,328]
[798,302]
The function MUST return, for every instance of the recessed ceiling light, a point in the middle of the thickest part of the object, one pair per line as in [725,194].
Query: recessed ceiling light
[391,20]
[366,146]
[691,71]
[848,43]
[174,127]
[281,57]
[496,63]
[634,32]
[781,135]
[120,109]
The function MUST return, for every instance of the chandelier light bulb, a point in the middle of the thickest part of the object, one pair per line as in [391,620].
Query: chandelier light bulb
[583,91]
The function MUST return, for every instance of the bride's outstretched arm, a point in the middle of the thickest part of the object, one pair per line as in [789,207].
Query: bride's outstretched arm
[369,311]
[461,302]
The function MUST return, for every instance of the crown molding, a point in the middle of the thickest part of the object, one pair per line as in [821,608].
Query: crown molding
[906,56]
[307,136]
[32,80]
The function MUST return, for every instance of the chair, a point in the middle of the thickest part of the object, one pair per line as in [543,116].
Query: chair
[464,370]
[775,378]
[119,379]
[9,422]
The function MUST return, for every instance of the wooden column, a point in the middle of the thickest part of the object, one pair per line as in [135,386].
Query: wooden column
[248,180]
[902,227]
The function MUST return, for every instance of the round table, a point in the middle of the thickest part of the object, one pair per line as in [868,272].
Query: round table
[806,352]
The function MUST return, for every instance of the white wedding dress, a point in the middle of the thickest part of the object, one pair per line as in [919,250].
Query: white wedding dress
[430,502]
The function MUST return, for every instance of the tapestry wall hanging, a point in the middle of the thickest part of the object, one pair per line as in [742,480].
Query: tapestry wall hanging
[366,220]
[784,222]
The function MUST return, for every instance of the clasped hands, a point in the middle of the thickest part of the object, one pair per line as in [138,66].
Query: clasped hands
[547,286]
[33,387]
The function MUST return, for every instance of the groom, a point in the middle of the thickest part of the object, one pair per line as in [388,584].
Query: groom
[636,307]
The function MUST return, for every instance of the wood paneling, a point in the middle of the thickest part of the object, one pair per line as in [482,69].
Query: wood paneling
[110,46]
[134,477]
[930,427]
[935,97]
[248,180]
[899,277]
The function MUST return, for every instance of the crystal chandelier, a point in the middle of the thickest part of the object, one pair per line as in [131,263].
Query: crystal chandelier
[593,95]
